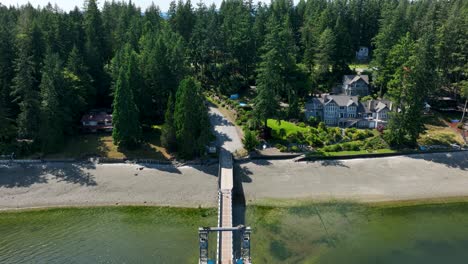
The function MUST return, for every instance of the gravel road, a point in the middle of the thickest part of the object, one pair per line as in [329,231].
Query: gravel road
[380,179]
[227,134]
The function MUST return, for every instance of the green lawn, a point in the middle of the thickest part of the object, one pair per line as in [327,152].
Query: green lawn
[359,65]
[288,128]
[102,145]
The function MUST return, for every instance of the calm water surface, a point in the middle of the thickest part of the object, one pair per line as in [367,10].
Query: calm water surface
[324,233]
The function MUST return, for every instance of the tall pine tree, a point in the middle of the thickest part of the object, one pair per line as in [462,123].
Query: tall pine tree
[96,51]
[125,119]
[190,119]
[53,114]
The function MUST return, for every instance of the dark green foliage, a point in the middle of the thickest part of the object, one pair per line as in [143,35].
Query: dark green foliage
[125,118]
[182,18]
[411,84]
[25,90]
[96,50]
[80,92]
[168,131]
[7,126]
[324,59]
[53,114]
[191,119]
[286,51]
[162,65]
[250,140]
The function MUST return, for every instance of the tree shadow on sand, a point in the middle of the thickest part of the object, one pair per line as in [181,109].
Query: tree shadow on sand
[456,160]
[242,173]
[25,175]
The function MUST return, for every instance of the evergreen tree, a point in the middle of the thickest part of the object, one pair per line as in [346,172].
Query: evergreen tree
[250,140]
[344,49]
[392,28]
[190,119]
[7,55]
[452,47]
[410,87]
[268,83]
[79,81]
[96,51]
[25,83]
[162,67]
[206,44]
[7,126]
[168,131]
[324,54]
[53,115]
[236,29]
[182,18]
[127,130]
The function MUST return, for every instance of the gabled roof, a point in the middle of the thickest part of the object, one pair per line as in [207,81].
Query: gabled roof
[349,79]
[380,106]
[376,105]
[341,100]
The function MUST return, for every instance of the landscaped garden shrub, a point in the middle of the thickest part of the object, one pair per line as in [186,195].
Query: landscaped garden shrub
[351,146]
[295,149]
[253,123]
[314,140]
[301,124]
[281,147]
[350,131]
[322,127]
[242,118]
[375,143]
[250,140]
[332,148]
[334,134]
[359,135]
[313,121]
[293,138]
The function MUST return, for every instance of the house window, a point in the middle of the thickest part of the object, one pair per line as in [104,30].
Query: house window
[342,115]
[342,108]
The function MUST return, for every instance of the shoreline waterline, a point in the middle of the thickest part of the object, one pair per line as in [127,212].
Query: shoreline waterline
[273,203]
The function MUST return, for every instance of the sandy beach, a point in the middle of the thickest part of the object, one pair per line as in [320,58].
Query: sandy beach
[382,179]
[66,184]
[412,177]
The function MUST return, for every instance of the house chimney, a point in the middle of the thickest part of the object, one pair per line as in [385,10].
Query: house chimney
[369,103]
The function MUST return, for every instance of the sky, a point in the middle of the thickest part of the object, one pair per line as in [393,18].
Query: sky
[68,5]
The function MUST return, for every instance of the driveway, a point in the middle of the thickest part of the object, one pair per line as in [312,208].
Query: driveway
[227,134]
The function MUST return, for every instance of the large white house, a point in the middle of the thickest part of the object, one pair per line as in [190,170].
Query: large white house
[355,85]
[347,111]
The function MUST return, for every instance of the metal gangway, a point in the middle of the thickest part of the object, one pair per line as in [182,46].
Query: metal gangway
[203,233]
[225,243]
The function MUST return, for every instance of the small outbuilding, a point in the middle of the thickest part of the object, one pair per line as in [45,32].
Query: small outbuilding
[97,121]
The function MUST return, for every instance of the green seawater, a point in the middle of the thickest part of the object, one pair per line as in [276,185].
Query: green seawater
[310,233]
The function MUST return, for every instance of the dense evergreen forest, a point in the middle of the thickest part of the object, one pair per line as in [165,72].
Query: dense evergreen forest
[56,65]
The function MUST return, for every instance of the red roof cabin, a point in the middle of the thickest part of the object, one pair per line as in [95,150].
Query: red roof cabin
[97,121]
